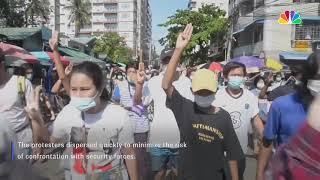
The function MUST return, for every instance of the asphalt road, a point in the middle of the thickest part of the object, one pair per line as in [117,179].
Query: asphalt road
[50,170]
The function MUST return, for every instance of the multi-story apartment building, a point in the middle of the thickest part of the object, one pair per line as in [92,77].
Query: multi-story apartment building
[196,4]
[131,19]
[255,29]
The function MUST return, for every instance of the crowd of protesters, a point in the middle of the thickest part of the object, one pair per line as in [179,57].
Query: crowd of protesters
[219,115]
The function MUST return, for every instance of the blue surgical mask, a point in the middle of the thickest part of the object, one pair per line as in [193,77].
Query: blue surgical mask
[83,103]
[235,82]
[204,101]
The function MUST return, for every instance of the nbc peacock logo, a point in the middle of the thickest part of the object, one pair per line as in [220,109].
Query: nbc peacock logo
[290,17]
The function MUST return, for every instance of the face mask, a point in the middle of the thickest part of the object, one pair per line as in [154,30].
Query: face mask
[235,82]
[131,81]
[204,101]
[83,103]
[278,78]
[119,77]
[314,87]
[260,85]
[29,77]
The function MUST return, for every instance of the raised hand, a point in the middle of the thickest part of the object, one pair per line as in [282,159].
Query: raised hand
[184,37]
[53,42]
[141,75]
[33,109]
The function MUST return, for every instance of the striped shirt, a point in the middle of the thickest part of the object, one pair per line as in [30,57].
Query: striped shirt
[124,94]
[298,159]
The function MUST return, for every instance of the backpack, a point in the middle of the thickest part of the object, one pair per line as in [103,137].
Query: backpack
[21,82]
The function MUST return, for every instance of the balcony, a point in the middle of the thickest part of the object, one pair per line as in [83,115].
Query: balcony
[104,1]
[111,10]
[301,44]
[249,50]
[105,20]
[110,20]
[86,30]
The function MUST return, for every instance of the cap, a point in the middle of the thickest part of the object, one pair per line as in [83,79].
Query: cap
[215,67]
[204,79]
[166,53]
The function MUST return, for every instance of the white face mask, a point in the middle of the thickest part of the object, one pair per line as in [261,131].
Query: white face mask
[260,84]
[314,87]
[29,76]
[204,101]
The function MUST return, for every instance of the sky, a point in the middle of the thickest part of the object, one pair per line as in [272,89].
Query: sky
[161,9]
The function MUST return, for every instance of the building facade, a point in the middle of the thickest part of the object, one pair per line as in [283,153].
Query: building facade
[131,19]
[255,29]
[196,4]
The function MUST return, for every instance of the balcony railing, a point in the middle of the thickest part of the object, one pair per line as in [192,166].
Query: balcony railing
[249,50]
[104,1]
[301,44]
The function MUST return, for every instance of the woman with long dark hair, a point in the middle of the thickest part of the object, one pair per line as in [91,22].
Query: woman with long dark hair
[90,120]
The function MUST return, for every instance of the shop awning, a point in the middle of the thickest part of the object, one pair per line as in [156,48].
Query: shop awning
[15,53]
[46,58]
[78,55]
[292,55]
[310,18]
[259,21]
[23,33]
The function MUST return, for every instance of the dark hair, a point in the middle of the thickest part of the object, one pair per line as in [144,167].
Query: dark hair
[26,66]
[231,66]
[1,56]
[94,72]
[19,71]
[134,65]
[309,70]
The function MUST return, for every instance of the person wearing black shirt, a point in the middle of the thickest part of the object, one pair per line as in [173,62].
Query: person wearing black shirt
[206,130]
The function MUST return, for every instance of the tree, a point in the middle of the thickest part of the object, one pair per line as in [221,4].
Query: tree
[36,8]
[79,14]
[114,46]
[210,26]
[11,13]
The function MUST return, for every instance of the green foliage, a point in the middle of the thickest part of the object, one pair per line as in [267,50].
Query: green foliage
[209,26]
[11,14]
[80,14]
[37,8]
[114,46]
[19,13]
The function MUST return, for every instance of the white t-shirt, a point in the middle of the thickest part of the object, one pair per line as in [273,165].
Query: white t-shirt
[241,110]
[112,125]
[12,109]
[184,86]
[141,123]
[164,127]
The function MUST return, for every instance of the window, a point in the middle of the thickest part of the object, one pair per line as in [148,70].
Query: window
[310,31]
[258,34]
[125,6]
[193,4]
[246,7]
[259,3]
[125,15]
[111,27]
